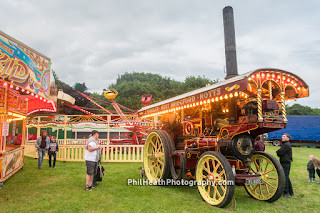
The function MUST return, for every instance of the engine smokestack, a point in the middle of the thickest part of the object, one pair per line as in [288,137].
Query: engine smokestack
[230,42]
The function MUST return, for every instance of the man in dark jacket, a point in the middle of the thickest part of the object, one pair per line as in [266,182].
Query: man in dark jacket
[285,154]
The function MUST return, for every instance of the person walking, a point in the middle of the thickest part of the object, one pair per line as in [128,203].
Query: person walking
[316,163]
[42,145]
[285,155]
[52,152]
[92,156]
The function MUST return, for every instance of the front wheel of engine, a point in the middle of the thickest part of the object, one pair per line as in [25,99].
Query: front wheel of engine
[272,175]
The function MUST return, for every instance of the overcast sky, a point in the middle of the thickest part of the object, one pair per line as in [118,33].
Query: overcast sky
[95,41]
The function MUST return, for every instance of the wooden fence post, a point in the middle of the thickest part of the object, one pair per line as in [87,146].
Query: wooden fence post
[38,127]
[65,138]
[108,138]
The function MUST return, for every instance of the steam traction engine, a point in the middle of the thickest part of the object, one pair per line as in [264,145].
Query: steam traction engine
[210,132]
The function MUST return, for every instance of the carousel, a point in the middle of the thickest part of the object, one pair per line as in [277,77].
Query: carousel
[26,87]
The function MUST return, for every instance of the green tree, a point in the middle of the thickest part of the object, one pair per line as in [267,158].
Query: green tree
[298,109]
[131,86]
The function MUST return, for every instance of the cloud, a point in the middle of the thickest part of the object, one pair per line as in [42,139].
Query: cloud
[95,41]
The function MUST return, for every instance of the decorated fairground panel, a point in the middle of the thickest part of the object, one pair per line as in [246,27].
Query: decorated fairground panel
[26,86]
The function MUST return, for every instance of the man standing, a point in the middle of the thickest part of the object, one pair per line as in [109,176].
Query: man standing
[42,144]
[285,154]
[92,155]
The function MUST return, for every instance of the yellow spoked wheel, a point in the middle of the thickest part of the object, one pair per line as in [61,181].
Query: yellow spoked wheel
[156,157]
[272,175]
[216,179]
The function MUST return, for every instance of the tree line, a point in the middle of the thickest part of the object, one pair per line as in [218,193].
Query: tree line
[132,85]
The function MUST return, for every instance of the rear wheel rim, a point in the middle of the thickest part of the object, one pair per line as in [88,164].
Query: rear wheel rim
[263,166]
[211,177]
[154,159]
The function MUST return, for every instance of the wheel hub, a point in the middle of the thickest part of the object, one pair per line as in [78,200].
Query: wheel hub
[155,155]
[264,177]
[210,177]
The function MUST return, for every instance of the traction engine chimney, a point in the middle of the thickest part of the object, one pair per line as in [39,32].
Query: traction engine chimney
[230,42]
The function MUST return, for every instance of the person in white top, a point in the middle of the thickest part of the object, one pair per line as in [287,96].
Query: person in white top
[92,156]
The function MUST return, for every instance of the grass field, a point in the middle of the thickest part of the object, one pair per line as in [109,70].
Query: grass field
[62,190]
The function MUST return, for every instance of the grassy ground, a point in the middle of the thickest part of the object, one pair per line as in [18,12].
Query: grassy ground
[62,190]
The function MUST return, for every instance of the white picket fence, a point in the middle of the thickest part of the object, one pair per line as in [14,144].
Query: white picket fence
[80,141]
[75,152]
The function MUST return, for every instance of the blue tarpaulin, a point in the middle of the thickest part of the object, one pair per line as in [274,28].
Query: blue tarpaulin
[305,128]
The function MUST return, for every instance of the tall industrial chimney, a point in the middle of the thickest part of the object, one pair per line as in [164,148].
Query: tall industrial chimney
[230,42]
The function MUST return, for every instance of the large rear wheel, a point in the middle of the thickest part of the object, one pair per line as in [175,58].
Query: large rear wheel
[216,179]
[272,175]
[156,158]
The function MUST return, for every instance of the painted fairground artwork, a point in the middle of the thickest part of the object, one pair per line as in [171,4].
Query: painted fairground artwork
[27,72]
[12,162]
[24,67]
